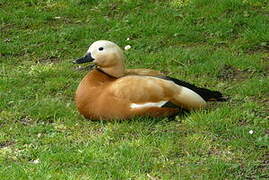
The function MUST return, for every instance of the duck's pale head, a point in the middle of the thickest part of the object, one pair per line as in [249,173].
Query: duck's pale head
[107,55]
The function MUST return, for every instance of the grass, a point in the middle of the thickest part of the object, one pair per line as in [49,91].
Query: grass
[223,45]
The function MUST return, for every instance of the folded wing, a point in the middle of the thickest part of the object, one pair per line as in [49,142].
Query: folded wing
[147,89]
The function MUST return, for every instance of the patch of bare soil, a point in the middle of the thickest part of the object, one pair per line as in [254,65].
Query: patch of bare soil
[25,120]
[51,59]
[5,144]
[231,73]
[263,47]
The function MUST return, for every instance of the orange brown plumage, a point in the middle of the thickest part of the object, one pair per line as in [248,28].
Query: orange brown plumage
[111,92]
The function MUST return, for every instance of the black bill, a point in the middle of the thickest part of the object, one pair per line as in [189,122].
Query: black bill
[85,59]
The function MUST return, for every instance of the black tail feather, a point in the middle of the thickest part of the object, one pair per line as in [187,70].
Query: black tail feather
[209,95]
[206,94]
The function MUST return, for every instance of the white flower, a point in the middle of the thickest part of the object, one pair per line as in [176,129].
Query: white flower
[251,132]
[126,48]
[39,135]
[127,39]
[36,161]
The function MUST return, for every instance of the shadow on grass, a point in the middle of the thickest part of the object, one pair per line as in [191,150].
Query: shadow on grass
[148,119]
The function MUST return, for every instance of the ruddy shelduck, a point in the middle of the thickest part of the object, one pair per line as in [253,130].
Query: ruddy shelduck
[110,92]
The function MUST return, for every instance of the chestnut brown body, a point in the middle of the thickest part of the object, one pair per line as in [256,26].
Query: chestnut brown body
[97,98]
[112,92]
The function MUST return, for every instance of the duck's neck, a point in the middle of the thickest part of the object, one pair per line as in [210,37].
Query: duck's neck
[114,71]
[96,77]
[102,73]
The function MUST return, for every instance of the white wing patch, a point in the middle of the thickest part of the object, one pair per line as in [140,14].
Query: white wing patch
[146,105]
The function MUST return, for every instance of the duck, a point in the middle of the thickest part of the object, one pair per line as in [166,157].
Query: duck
[110,92]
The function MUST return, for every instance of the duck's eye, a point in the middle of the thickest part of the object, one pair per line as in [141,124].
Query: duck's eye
[101,49]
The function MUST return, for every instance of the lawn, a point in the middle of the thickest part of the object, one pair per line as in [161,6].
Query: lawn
[219,44]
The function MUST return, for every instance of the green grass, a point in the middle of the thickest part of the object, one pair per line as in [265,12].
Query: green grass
[219,44]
